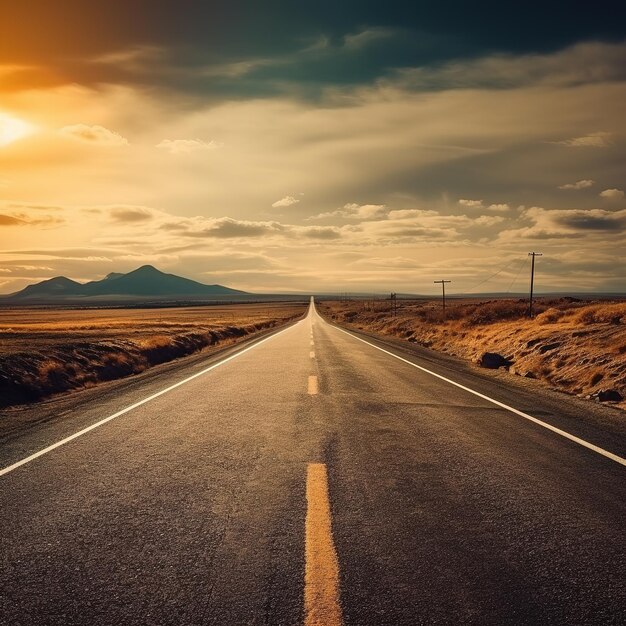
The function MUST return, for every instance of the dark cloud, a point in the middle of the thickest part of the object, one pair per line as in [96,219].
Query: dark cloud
[429,233]
[248,47]
[562,224]
[230,228]
[226,227]
[593,220]
[241,24]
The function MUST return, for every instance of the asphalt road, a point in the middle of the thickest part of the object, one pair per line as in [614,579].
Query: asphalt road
[313,478]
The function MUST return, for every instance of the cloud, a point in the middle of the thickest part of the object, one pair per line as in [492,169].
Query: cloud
[320,232]
[612,194]
[366,37]
[589,219]
[125,213]
[286,201]
[94,134]
[383,262]
[478,204]
[316,59]
[600,139]
[227,227]
[184,146]
[395,233]
[236,69]
[568,223]
[65,253]
[355,211]
[471,204]
[580,184]
[34,207]
[230,228]
[136,58]
[488,220]
[403,214]
[582,63]
[23,219]
[10,220]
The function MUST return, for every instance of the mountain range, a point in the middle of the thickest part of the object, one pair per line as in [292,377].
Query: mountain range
[143,282]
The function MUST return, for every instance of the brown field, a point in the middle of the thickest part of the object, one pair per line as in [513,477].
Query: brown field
[48,351]
[574,346]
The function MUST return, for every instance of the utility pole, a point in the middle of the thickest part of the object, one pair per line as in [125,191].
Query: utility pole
[394,304]
[443,293]
[532,281]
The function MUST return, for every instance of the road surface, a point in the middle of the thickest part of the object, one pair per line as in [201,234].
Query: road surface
[316,477]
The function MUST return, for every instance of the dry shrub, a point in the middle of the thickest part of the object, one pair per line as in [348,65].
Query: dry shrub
[455,312]
[495,311]
[550,316]
[156,341]
[49,368]
[602,314]
[431,315]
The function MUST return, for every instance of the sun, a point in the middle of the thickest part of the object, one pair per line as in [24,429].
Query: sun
[12,129]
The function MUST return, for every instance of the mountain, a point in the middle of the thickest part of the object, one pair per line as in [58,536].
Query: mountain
[112,275]
[58,286]
[142,282]
[149,281]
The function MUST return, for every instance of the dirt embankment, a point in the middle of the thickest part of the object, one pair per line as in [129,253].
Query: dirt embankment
[41,359]
[573,346]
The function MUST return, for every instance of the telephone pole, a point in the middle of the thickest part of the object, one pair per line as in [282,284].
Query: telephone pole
[443,293]
[532,281]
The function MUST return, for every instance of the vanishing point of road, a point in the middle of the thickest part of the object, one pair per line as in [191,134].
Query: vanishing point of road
[316,477]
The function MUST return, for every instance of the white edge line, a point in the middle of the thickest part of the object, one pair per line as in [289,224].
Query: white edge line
[554,429]
[62,442]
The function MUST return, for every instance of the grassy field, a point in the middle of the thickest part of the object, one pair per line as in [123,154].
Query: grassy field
[575,346]
[48,351]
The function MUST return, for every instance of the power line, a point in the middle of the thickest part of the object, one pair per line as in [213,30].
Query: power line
[482,282]
[519,271]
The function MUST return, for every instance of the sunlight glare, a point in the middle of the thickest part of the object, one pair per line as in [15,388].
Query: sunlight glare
[12,129]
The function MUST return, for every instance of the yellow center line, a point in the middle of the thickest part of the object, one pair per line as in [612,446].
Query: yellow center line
[313,386]
[321,577]
[312,342]
[312,354]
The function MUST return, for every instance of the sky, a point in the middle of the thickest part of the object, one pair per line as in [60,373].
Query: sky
[323,147]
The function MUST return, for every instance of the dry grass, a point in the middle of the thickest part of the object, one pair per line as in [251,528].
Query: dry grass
[43,352]
[575,346]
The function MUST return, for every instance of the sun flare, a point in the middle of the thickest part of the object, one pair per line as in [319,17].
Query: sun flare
[12,129]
